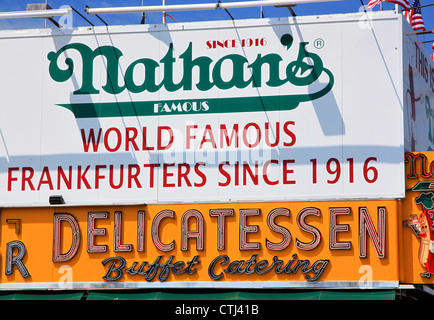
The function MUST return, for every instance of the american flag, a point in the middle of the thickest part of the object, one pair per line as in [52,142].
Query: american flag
[414,16]
[402,3]
[373,3]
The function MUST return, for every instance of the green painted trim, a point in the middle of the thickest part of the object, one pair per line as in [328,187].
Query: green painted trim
[42,296]
[297,295]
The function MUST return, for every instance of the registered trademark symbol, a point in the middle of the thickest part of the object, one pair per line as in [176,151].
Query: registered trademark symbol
[319,43]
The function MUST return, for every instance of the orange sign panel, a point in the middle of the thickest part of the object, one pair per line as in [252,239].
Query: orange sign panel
[244,245]
[418,219]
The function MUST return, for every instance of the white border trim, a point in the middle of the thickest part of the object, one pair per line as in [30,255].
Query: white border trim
[203,285]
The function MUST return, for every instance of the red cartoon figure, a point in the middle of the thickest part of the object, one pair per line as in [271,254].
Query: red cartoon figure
[423,228]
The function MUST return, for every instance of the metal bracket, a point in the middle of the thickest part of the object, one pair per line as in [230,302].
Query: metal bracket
[17,223]
[42,6]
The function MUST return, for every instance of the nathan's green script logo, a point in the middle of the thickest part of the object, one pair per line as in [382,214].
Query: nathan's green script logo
[305,70]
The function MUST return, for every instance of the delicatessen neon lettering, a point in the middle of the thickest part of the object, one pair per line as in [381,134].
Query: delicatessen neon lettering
[192,238]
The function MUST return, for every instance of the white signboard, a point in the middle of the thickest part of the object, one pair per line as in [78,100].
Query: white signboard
[253,110]
[418,94]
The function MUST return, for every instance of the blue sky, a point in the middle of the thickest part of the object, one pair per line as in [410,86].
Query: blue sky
[344,6]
